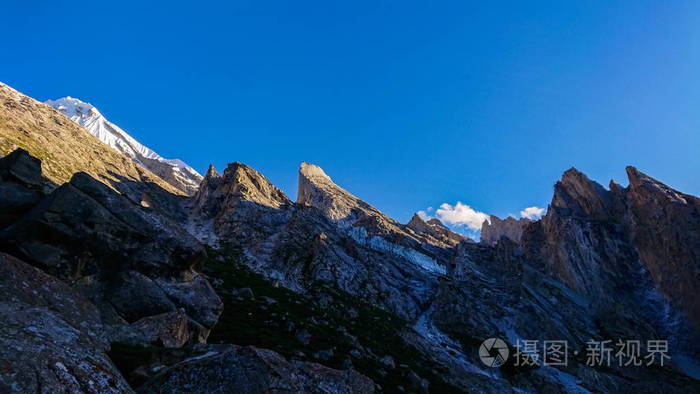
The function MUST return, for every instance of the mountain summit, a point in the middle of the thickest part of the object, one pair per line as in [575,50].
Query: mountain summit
[173,171]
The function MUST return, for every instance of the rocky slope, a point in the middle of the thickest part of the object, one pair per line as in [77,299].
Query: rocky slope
[175,172]
[66,148]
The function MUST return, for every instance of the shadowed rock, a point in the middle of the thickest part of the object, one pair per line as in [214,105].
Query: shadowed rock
[51,338]
[242,370]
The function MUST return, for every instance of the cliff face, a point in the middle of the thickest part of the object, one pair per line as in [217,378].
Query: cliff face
[620,246]
[664,227]
[509,227]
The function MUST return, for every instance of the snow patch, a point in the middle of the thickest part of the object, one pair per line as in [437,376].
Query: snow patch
[86,115]
[359,234]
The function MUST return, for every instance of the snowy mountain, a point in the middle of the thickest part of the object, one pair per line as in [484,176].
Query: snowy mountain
[173,171]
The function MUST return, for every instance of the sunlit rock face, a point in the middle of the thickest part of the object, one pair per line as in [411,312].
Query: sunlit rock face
[665,229]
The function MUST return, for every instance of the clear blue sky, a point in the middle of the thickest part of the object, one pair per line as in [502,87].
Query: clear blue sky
[405,104]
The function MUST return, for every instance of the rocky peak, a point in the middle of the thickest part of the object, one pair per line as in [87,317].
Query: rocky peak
[173,171]
[641,183]
[665,229]
[243,183]
[434,228]
[317,189]
[498,228]
[207,188]
[577,195]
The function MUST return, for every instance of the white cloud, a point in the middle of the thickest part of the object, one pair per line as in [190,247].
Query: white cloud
[461,215]
[532,213]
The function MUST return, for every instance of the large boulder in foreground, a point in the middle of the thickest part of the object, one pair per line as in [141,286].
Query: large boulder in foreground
[243,370]
[51,339]
[86,228]
[128,259]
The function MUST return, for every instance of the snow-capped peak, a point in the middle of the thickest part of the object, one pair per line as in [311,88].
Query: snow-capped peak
[174,171]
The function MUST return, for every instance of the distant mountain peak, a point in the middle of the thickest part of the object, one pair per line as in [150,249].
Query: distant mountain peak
[174,171]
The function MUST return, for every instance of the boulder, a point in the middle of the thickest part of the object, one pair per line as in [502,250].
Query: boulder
[21,185]
[134,295]
[115,250]
[51,339]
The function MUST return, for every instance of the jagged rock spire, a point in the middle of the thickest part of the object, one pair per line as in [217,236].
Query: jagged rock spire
[317,189]
[495,228]
[434,228]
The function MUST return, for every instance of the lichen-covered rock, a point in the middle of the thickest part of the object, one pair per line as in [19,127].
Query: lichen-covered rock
[241,370]
[51,339]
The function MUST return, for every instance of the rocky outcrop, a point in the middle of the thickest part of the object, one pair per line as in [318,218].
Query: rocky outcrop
[496,228]
[435,229]
[129,260]
[51,338]
[593,240]
[85,228]
[21,185]
[664,226]
[299,244]
[234,369]
[316,189]
[367,225]
[582,241]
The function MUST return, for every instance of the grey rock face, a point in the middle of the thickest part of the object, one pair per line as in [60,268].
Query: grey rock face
[234,369]
[569,276]
[604,246]
[51,338]
[665,229]
[298,244]
[134,295]
[509,227]
[434,228]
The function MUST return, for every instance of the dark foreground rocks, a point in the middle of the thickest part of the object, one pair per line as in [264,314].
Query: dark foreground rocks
[52,339]
[249,370]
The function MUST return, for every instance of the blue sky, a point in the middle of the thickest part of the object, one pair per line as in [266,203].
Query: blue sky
[406,104]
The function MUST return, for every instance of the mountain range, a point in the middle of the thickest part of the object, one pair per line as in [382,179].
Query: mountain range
[126,272]
[173,171]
